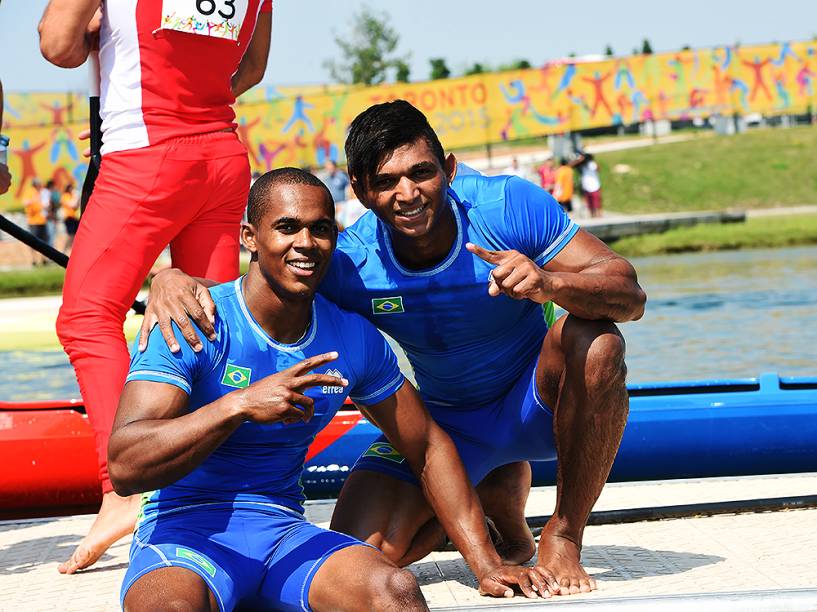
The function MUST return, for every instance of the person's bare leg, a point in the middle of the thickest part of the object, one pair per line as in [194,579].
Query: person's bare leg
[170,588]
[116,519]
[361,578]
[388,513]
[581,374]
[503,494]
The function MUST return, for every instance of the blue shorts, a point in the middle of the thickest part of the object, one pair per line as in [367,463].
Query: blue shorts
[517,427]
[260,555]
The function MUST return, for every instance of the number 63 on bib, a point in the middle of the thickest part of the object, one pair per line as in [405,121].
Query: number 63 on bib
[215,18]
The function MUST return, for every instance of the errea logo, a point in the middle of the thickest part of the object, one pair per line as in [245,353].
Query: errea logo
[331,389]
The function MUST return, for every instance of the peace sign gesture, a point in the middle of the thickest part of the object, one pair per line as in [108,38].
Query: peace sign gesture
[515,275]
[280,397]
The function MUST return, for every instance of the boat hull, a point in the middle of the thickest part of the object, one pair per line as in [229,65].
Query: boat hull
[766,425]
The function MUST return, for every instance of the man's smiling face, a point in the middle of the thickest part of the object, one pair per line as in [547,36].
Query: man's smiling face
[408,189]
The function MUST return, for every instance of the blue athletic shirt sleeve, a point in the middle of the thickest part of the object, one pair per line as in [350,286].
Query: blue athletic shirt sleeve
[534,223]
[158,364]
[377,373]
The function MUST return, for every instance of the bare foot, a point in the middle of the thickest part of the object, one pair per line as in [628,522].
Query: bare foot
[116,519]
[560,563]
[514,543]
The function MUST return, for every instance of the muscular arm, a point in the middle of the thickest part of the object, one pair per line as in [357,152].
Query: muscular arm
[586,278]
[254,63]
[155,442]
[434,458]
[592,282]
[64,31]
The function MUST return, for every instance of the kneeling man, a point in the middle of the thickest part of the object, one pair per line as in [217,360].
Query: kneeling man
[219,436]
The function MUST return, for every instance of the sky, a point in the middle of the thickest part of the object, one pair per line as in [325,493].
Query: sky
[461,31]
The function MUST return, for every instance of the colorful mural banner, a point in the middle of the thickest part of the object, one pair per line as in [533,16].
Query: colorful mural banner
[305,126]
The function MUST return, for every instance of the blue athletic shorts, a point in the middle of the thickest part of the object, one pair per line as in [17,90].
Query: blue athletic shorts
[258,555]
[517,427]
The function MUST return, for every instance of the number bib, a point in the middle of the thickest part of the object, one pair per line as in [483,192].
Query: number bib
[216,18]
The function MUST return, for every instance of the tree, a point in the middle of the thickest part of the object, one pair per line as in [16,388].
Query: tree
[520,64]
[367,53]
[686,48]
[477,68]
[439,69]
[608,51]
[646,47]
[403,71]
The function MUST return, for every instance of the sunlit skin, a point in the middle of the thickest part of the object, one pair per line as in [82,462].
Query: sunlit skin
[293,247]
[408,180]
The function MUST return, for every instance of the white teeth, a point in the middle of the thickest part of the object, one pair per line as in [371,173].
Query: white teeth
[413,212]
[304,265]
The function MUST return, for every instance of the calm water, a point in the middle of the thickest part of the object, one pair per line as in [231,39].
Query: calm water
[709,315]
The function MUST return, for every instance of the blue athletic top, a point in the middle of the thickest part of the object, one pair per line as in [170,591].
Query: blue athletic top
[466,347]
[263,463]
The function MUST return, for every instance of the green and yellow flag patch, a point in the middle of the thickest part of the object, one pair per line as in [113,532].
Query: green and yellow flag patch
[384,450]
[236,376]
[388,305]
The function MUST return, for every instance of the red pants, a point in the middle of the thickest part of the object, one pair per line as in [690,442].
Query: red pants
[190,193]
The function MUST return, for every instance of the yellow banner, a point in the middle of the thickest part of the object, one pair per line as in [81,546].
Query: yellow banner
[305,126]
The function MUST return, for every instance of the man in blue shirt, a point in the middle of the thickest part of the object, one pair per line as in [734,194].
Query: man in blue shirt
[458,270]
[336,180]
[218,437]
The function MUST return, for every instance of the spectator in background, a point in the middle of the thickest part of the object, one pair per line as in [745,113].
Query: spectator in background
[514,169]
[547,175]
[336,180]
[5,175]
[54,198]
[35,216]
[563,185]
[69,203]
[45,207]
[590,182]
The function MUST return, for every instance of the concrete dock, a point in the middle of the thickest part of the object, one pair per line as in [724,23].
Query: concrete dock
[760,561]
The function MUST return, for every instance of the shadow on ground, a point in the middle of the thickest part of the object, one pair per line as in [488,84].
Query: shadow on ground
[606,563]
[30,555]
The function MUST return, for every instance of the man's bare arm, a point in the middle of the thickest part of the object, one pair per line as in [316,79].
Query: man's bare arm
[254,63]
[586,278]
[67,30]
[433,457]
[155,441]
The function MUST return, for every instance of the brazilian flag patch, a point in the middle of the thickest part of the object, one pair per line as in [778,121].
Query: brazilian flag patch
[236,376]
[186,553]
[388,305]
[384,450]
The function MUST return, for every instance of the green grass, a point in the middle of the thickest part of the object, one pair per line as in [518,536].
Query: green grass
[763,232]
[757,169]
[45,280]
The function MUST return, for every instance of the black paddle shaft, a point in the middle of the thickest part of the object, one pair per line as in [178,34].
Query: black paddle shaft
[26,237]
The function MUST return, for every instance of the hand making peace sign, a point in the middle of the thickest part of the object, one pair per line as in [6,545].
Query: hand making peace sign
[515,275]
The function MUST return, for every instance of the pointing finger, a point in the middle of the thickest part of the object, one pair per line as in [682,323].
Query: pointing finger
[492,257]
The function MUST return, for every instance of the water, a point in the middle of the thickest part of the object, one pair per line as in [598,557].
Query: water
[709,315]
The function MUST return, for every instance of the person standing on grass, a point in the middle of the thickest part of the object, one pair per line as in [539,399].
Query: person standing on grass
[173,173]
[5,175]
[590,182]
[563,185]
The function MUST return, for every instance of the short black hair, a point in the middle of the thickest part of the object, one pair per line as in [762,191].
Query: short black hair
[381,129]
[258,201]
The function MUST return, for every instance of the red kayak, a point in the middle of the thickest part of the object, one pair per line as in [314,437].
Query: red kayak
[49,458]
